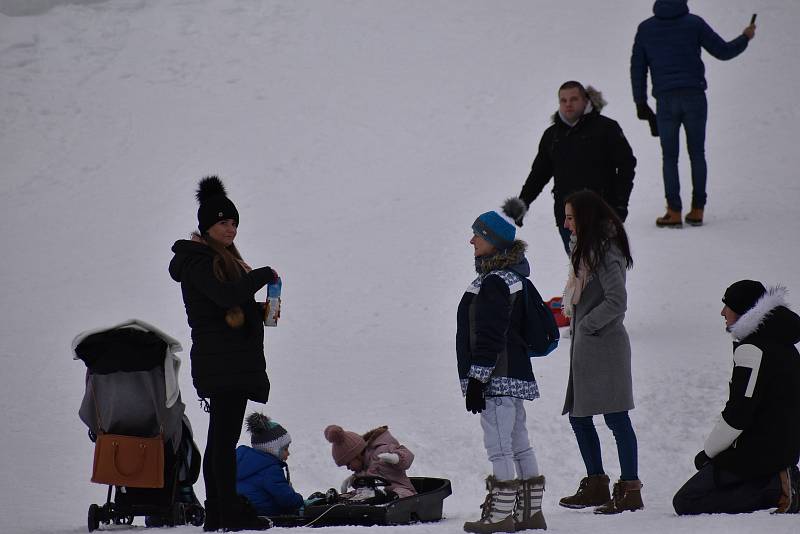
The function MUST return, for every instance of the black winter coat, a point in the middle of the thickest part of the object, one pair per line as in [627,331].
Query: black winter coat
[764,399]
[593,154]
[224,359]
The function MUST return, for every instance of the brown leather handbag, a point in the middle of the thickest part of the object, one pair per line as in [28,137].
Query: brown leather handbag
[131,461]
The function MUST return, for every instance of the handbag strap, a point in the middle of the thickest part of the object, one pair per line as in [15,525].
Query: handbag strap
[96,409]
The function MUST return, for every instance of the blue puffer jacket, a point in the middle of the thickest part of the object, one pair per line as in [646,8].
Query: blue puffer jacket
[260,478]
[669,44]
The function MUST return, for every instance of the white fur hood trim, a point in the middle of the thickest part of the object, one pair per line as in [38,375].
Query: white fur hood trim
[755,316]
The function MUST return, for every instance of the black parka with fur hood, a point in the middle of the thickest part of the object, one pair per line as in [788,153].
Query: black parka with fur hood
[759,431]
[224,359]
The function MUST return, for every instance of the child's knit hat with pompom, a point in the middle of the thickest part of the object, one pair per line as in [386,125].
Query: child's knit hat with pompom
[346,445]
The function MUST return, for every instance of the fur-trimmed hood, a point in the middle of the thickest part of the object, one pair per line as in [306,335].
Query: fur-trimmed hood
[596,103]
[513,258]
[769,318]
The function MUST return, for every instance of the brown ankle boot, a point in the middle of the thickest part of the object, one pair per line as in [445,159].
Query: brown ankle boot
[695,217]
[671,219]
[789,501]
[592,491]
[627,495]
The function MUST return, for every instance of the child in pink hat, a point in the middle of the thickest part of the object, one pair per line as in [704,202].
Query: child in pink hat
[375,454]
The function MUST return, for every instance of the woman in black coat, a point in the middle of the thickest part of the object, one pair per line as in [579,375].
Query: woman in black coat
[228,364]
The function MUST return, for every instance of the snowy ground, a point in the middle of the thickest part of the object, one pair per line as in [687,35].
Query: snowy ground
[359,139]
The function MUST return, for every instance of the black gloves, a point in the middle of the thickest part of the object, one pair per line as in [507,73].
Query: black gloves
[644,113]
[475,401]
[701,460]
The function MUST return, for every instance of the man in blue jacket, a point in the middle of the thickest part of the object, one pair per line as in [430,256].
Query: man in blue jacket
[669,44]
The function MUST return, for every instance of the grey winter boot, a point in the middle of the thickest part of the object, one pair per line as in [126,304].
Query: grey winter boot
[528,509]
[497,511]
[593,491]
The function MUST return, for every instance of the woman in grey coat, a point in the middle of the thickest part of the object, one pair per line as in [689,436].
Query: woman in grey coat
[600,354]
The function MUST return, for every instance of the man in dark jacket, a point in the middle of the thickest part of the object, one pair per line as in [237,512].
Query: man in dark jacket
[581,150]
[749,460]
[669,45]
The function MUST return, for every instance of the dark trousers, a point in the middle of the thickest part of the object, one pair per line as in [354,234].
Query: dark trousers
[589,444]
[712,491]
[690,109]
[219,462]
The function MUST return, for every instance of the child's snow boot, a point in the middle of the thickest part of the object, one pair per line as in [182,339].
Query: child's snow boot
[592,491]
[528,508]
[627,495]
[497,513]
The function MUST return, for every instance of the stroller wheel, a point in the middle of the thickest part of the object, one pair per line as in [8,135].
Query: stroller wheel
[93,522]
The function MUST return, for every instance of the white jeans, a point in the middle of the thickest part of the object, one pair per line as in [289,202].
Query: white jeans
[505,437]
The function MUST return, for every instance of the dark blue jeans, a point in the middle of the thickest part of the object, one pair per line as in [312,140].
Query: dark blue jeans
[690,109]
[589,444]
[565,235]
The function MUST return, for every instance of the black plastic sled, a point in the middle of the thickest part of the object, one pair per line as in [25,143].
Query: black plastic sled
[425,506]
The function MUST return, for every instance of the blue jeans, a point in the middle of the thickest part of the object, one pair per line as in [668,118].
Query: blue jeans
[565,235]
[589,444]
[690,109]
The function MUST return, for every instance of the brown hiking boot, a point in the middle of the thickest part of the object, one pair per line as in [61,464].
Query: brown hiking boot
[497,511]
[695,217]
[627,495]
[671,219]
[789,501]
[592,491]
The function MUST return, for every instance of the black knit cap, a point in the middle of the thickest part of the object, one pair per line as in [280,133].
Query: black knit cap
[215,206]
[743,295]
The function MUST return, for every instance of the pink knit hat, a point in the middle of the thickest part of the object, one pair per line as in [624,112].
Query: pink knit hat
[346,445]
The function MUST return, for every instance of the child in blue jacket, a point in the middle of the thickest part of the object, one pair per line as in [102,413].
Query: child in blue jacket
[262,474]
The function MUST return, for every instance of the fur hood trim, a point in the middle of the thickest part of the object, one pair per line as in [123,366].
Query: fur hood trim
[374,433]
[596,103]
[758,314]
[503,260]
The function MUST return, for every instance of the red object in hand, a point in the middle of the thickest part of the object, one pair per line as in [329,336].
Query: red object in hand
[555,306]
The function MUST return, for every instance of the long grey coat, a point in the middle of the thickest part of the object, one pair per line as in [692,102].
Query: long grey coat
[600,354]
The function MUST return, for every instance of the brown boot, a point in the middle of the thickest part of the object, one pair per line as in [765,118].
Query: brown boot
[592,491]
[497,511]
[627,495]
[789,501]
[695,217]
[671,219]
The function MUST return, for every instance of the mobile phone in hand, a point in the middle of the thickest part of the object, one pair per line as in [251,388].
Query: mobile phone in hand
[753,19]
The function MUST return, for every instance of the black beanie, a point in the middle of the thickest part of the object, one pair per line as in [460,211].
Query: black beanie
[215,206]
[743,295]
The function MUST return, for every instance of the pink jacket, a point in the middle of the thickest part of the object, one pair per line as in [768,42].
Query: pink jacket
[379,440]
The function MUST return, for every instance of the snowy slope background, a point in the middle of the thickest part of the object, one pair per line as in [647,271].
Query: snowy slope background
[359,140]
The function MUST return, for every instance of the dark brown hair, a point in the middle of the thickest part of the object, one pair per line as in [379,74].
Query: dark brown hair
[572,84]
[226,261]
[597,227]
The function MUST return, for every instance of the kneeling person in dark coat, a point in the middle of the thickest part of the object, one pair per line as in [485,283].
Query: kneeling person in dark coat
[749,461]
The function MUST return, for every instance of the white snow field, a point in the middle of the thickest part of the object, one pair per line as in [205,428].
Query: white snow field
[359,140]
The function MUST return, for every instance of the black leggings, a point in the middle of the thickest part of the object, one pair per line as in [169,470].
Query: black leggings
[219,462]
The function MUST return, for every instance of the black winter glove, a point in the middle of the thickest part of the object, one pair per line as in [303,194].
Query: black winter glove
[644,113]
[701,460]
[475,401]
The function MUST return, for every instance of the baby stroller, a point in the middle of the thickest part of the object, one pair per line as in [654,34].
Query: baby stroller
[132,390]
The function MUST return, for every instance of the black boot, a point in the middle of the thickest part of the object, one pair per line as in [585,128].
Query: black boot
[240,515]
[212,522]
